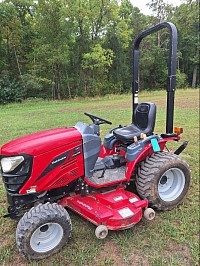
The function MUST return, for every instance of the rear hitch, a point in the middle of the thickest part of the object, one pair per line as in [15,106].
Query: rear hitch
[181,148]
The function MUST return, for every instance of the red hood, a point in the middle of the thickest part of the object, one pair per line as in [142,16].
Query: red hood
[41,142]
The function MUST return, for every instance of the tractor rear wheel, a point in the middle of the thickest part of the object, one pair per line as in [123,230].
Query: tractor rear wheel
[43,231]
[163,179]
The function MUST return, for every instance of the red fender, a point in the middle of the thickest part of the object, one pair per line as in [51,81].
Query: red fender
[146,152]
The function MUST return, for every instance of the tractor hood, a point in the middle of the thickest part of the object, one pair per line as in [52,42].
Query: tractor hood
[41,142]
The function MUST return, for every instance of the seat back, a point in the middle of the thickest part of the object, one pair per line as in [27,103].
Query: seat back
[143,122]
[145,117]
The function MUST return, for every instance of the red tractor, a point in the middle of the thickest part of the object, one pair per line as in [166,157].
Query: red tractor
[69,168]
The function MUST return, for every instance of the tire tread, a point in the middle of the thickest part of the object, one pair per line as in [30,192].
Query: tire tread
[148,172]
[41,212]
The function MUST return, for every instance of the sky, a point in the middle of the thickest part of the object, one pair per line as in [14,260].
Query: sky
[141,4]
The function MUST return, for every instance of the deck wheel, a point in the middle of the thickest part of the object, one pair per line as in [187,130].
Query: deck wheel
[149,214]
[101,231]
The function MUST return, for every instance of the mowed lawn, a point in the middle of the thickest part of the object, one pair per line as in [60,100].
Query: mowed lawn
[171,239]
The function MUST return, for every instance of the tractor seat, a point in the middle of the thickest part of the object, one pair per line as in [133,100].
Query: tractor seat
[144,122]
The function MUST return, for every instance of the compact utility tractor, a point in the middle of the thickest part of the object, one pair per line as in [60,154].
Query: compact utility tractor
[69,168]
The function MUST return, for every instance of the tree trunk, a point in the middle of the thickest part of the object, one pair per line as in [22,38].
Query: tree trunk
[18,66]
[195,70]
[194,76]
[68,86]
[85,81]
[158,34]
[56,70]
[53,82]
[58,82]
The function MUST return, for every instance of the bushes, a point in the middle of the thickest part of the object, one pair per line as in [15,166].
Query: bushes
[33,87]
[181,79]
[37,87]
[10,91]
[16,91]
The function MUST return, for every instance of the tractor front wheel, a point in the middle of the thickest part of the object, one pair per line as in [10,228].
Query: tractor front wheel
[43,231]
[163,179]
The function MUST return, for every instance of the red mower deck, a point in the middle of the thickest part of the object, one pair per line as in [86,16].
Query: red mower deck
[117,209]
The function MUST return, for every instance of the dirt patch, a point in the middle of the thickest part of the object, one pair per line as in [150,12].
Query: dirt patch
[114,106]
[137,258]
[67,109]
[181,101]
[182,251]
[186,101]
[18,260]
[110,254]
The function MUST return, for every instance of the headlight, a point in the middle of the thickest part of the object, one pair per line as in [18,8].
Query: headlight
[8,164]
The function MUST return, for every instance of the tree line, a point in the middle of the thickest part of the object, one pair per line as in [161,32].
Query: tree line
[59,49]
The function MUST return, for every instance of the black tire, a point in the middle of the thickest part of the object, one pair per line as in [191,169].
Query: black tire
[43,231]
[163,179]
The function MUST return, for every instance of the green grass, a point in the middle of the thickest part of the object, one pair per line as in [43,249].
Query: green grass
[171,239]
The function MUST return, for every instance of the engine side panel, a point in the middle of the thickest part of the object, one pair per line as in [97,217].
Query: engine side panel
[55,168]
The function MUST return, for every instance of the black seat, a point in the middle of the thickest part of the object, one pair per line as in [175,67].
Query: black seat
[144,122]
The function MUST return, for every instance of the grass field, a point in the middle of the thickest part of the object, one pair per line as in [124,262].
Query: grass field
[171,239]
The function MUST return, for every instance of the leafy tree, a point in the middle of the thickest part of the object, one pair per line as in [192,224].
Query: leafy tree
[186,18]
[15,18]
[98,62]
[62,48]
[51,51]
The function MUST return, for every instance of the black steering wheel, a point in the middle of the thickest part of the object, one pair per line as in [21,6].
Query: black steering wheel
[98,120]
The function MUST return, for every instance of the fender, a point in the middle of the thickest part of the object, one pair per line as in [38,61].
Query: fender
[146,152]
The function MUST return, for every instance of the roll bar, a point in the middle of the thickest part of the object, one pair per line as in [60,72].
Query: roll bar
[171,79]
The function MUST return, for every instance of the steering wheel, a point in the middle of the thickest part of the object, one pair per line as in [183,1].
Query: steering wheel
[98,120]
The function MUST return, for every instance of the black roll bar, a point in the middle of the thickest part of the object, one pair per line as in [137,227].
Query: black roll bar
[171,79]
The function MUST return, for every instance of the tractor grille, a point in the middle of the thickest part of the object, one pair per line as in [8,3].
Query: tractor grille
[14,180]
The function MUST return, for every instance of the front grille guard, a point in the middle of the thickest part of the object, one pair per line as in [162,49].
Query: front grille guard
[13,181]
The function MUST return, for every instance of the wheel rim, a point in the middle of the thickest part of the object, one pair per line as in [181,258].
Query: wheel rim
[151,216]
[46,237]
[171,184]
[101,231]
[102,234]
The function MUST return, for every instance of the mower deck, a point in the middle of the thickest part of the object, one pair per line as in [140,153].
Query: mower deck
[116,209]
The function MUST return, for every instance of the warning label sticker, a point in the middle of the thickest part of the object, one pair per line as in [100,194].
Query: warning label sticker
[126,212]
[118,198]
[133,200]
